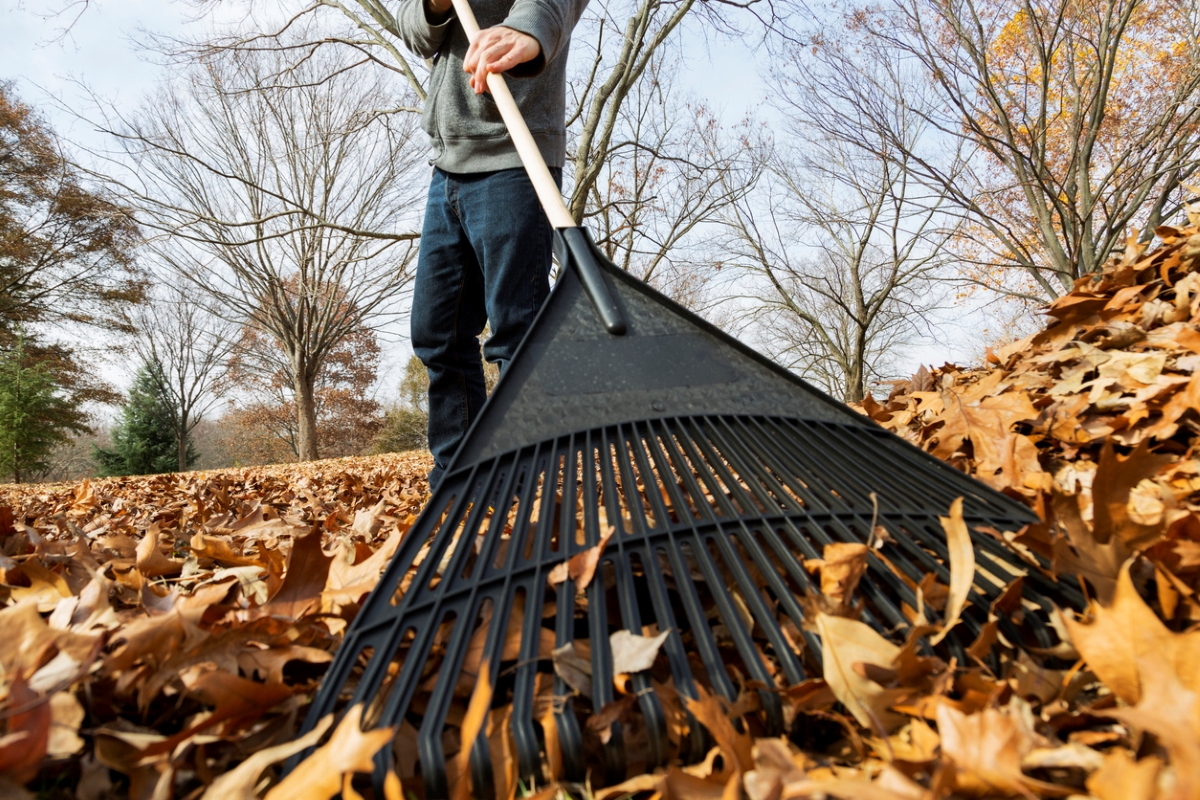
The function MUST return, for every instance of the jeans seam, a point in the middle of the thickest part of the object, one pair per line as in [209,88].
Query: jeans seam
[462,279]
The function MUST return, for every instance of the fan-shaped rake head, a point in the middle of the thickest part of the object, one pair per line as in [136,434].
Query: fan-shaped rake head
[670,481]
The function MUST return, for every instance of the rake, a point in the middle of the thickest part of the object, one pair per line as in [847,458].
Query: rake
[708,472]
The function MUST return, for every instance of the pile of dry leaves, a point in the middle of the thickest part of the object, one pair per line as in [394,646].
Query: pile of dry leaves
[165,635]
[159,631]
[1095,423]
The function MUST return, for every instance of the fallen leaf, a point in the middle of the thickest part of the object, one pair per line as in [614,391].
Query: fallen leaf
[633,653]
[1171,711]
[573,663]
[220,550]
[850,789]
[1115,479]
[46,587]
[57,673]
[1005,604]
[601,722]
[368,521]
[711,768]
[1030,679]
[1123,778]
[66,715]
[305,578]
[1126,635]
[27,733]
[710,712]
[240,782]
[250,579]
[473,722]
[962,567]
[633,786]
[267,663]
[582,566]
[842,566]
[774,771]
[29,640]
[846,645]
[150,560]
[348,582]
[349,749]
[1086,556]
[511,644]
[1072,754]
[986,750]
[236,700]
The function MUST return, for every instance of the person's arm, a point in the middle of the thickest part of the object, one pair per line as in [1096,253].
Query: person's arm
[424,25]
[532,35]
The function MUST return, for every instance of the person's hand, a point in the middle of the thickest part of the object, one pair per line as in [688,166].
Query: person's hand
[496,50]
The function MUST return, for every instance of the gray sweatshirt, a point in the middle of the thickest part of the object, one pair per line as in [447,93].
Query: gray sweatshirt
[466,129]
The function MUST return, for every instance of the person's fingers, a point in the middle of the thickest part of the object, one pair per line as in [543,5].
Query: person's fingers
[474,51]
[471,56]
[496,55]
[505,61]
[486,60]
[479,76]
[472,63]
[496,50]
[477,59]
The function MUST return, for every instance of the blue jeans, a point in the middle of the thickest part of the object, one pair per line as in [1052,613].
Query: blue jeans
[484,257]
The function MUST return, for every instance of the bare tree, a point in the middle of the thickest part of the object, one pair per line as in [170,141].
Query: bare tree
[656,204]
[844,253]
[624,55]
[1082,120]
[285,202]
[189,341]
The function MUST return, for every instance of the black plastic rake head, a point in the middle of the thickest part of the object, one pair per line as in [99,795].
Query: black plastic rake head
[716,473]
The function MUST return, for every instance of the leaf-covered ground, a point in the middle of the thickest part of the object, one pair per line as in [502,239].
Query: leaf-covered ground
[161,630]
[165,634]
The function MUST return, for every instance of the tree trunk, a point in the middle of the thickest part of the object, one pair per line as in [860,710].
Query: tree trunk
[181,440]
[306,415]
[855,385]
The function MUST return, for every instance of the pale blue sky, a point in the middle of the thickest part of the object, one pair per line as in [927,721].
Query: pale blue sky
[97,49]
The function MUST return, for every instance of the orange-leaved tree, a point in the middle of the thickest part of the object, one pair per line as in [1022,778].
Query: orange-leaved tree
[346,416]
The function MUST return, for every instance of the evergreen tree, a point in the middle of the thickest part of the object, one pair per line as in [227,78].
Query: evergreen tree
[144,439]
[35,415]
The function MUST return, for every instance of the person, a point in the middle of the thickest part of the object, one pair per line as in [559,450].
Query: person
[486,244]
